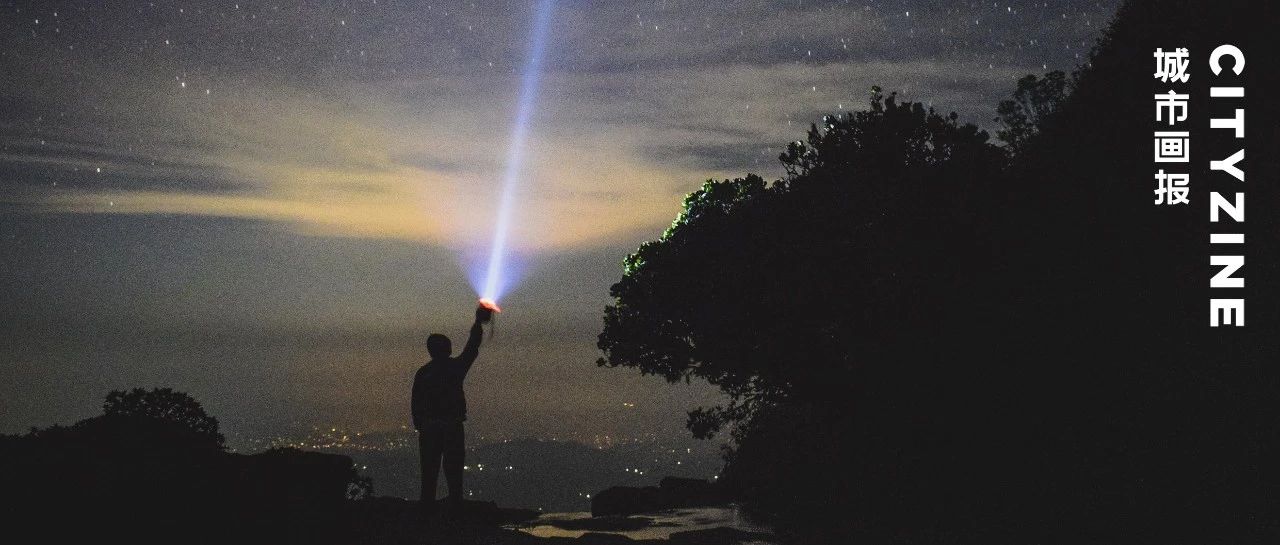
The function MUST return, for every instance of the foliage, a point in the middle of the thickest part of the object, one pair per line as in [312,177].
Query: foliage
[929,339]
[1032,104]
[774,291]
[360,488]
[164,404]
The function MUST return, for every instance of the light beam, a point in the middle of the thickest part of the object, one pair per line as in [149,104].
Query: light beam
[495,282]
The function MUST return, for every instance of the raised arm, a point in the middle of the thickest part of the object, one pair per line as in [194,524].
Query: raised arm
[472,349]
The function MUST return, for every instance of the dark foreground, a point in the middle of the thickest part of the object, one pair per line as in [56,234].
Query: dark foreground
[131,476]
[396,521]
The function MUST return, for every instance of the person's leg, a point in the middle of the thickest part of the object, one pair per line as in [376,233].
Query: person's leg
[454,456]
[430,447]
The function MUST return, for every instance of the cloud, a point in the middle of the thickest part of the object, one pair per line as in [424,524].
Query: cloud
[410,145]
[383,168]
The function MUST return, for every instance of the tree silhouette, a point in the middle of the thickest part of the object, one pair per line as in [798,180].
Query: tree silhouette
[926,338]
[1034,100]
[771,290]
[809,299]
[164,404]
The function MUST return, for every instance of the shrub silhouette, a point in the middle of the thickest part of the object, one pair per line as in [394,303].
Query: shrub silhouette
[153,470]
[164,404]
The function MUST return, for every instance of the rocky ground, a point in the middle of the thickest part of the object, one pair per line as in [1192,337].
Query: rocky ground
[387,521]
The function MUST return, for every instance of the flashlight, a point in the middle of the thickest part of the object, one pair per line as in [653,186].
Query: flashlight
[489,305]
[485,313]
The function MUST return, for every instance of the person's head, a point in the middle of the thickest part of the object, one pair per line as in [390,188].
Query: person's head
[439,346]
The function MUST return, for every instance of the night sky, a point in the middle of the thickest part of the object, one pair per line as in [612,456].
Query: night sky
[269,205]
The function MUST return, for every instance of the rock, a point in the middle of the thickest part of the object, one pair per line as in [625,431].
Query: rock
[487,512]
[292,475]
[612,523]
[482,513]
[595,538]
[717,536]
[627,500]
[671,493]
[693,492]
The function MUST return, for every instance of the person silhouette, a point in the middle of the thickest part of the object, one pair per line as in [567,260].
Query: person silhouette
[439,408]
